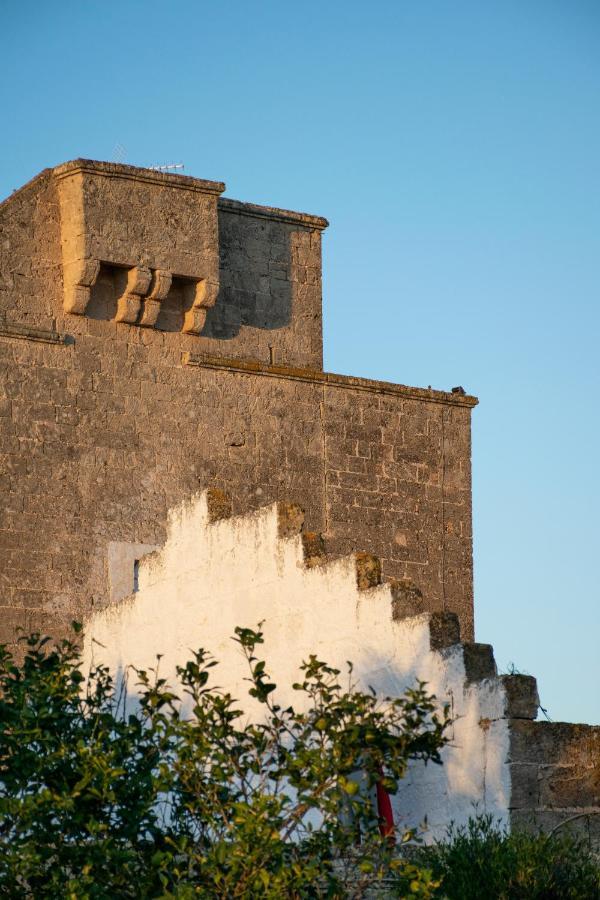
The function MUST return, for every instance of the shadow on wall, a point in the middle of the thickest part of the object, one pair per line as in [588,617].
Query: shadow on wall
[258,272]
[429,797]
[111,284]
[259,275]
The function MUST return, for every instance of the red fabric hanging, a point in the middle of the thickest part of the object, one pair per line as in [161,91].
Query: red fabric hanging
[385,813]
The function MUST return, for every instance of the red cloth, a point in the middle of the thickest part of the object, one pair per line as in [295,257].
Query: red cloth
[384,811]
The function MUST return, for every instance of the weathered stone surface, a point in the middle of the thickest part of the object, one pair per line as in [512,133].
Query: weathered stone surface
[138,220]
[546,821]
[522,700]
[444,630]
[479,661]
[525,786]
[101,434]
[368,571]
[573,785]
[408,598]
[559,743]
[555,777]
[219,504]
[313,546]
[290,519]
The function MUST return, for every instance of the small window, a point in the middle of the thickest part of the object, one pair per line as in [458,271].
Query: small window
[136,576]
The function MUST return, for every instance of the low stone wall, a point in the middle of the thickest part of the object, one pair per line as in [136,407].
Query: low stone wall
[555,777]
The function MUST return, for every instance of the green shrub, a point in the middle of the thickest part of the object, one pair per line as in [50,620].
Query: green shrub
[484,862]
[96,803]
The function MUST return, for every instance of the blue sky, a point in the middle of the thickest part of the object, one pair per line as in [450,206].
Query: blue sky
[455,148]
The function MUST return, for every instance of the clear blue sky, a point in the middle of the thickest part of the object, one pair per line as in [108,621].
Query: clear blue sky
[455,148]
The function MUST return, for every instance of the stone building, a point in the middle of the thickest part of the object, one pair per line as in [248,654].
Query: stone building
[158,341]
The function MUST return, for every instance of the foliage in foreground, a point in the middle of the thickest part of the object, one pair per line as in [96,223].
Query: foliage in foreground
[97,802]
[483,862]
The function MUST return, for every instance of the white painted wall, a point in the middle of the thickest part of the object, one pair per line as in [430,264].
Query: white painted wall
[211,577]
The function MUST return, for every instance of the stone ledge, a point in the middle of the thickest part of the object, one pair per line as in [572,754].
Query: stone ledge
[137,173]
[272,212]
[554,743]
[254,367]
[26,333]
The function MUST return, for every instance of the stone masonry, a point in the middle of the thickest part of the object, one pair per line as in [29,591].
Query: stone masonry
[157,339]
[265,567]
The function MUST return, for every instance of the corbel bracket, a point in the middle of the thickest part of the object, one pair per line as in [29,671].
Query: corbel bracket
[161,284]
[79,276]
[204,296]
[130,302]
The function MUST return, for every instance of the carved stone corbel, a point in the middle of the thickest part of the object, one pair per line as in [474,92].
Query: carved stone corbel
[204,296]
[79,276]
[160,288]
[129,303]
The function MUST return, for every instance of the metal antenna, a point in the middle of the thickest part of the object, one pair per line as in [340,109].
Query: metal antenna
[167,168]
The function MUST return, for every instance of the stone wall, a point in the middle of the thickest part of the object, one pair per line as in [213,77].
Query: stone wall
[157,339]
[216,572]
[270,285]
[113,412]
[555,777]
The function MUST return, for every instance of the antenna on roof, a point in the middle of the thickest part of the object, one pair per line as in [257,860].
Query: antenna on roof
[168,168]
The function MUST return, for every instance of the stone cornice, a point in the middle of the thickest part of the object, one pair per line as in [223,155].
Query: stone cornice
[136,173]
[26,333]
[183,182]
[225,204]
[252,367]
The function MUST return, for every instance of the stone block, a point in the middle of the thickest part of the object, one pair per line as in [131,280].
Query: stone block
[522,700]
[559,743]
[570,785]
[479,661]
[314,549]
[368,571]
[525,786]
[563,822]
[407,598]
[444,630]
[290,519]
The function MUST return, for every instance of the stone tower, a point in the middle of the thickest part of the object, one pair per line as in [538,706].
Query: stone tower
[160,344]
[157,339]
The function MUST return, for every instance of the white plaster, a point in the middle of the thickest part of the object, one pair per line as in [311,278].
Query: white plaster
[121,557]
[210,578]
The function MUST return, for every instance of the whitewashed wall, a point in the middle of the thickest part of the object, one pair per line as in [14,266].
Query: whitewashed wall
[214,575]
